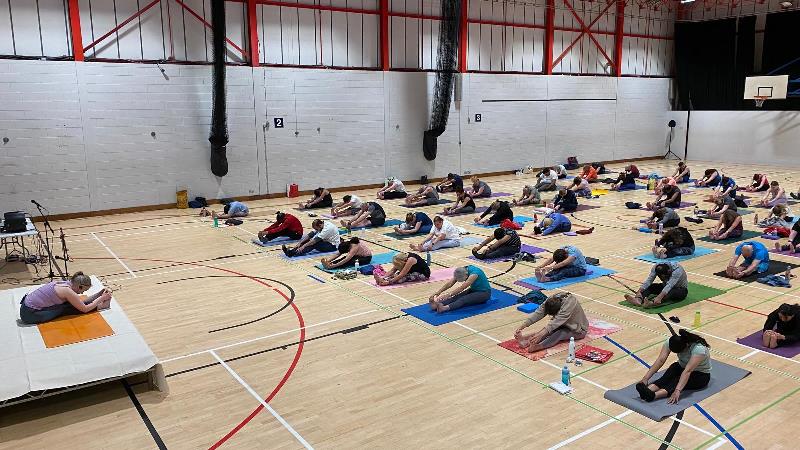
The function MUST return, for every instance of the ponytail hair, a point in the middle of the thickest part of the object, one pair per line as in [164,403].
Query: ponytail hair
[80,279]
[679,342]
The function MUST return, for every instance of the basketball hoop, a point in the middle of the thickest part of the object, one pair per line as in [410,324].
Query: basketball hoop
[760,100]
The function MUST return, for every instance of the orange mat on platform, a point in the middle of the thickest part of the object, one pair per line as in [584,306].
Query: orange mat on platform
[73,329]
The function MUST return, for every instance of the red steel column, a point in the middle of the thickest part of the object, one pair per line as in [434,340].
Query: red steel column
[252,31]
[75,28]
[549,27]
[384,35]
[618,36]
[464,36]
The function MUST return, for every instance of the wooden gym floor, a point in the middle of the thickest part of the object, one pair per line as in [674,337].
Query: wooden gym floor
[341,366]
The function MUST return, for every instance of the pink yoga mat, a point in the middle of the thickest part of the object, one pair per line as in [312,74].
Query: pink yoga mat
[754,341]
[597,329]
[436,275]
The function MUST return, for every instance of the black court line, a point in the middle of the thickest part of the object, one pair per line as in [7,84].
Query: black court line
[286,346]
[152,429]
[552,100]
[292,296]
[167,266]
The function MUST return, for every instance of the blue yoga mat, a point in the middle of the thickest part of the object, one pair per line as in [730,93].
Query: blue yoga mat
[470,240]
[528,308]
[380,258]
[518,219]
[698,251]
[388,223]
[277,241]
[312,254]
[499,300]
[597,272]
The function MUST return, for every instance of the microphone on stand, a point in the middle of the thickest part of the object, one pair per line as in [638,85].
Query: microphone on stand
[36,203]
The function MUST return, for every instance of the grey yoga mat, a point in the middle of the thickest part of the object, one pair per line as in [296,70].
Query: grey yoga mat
[722,376]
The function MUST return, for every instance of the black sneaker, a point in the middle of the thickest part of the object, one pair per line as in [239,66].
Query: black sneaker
[286,251]
[645,393]
[795,196]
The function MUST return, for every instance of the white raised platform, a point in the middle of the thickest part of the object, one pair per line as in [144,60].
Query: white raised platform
[29,370]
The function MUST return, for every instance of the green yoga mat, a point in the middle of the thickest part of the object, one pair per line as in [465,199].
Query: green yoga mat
[697,292]
[744,237]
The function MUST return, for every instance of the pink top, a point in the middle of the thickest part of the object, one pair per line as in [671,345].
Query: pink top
[45,296]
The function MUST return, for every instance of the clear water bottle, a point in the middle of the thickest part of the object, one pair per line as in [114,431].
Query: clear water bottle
[696,210]
[571,355]
[358,266]
[661,228]
[565,375]
[428,258]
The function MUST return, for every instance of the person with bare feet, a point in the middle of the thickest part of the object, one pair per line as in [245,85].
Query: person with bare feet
[499,210]
[566,262]
[506,243]
[416,223]
[350,206]
[569,321]
[406,267]
[729,226]
[691,371]
[530,196]
[756,260]
[473,289]
[674,286]
[443,235]
[425,196]
[782,326]
[370,215]
[464,204]
[794,241]
[322,199]
[674,242]
[348,253]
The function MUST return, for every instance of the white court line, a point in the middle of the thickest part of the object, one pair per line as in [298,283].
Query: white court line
[590,430]
[719,444]
[749,354]
[261,338]
[114,255]
[263,403]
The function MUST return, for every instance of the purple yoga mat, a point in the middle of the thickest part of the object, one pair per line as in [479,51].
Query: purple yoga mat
[524,248]
[501,194]
[754,341]
[786,253]
[478,210]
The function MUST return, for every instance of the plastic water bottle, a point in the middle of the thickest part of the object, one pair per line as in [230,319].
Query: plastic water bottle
[216,222]
[571,355]
[696,210]
[428,258]
[565,375]
[358,266]
[661,228]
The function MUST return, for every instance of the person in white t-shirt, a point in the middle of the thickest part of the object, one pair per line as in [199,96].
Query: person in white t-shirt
[323,238]
[443,235]
[547,180]
[394,189]
[350,206]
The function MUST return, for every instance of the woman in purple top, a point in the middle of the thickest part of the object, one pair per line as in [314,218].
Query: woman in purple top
[61,298]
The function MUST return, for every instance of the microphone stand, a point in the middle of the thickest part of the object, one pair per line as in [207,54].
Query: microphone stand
[64,252]
[50,259]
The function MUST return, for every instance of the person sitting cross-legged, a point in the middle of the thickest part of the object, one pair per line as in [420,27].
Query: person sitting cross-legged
[673,287]
[568,321]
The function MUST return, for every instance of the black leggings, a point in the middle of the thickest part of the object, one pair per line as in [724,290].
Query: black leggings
[293,235]
[669,381]
[467,298]
[672,223]
[675,295]
[394,194]
[362,260]
[33,316]
[326,202]
[679,251]
[505,250]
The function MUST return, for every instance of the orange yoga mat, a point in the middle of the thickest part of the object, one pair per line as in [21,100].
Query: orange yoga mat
[73,329]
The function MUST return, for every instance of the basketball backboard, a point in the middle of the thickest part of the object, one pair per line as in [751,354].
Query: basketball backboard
[771,87]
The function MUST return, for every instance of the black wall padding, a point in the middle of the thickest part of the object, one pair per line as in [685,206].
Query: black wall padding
[781,37]
[712,60]
[447,56]
[219,121]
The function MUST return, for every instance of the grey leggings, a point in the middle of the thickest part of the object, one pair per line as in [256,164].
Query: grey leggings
[33,316]
[444,243]
[467,298]
[560,334]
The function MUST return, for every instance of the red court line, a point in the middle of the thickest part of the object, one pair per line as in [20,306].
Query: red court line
[288,372]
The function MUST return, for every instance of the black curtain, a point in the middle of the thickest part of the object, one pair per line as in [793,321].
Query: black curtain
[712,60]
[781,34]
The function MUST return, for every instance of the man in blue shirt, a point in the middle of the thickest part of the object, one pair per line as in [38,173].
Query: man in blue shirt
[233,209]
[553,223]
[756,260]
[567,262]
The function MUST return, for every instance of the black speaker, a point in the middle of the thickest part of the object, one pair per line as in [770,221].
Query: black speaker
[14,222]
[671,124]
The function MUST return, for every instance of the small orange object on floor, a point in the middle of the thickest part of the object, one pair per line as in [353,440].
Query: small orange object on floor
[73,329]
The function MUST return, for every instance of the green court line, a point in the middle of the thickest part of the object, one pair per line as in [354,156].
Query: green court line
[485,356]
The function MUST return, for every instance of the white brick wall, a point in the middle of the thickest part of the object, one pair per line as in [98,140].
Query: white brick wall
[79,133]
